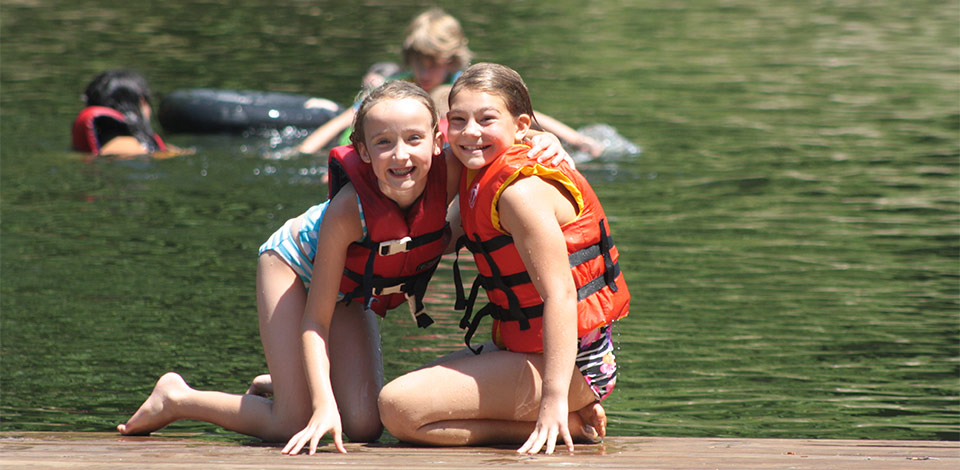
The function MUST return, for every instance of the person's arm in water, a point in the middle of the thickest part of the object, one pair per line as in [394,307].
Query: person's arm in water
[123,147]
[129,147]
[569,135]
[121,144]
[324,134]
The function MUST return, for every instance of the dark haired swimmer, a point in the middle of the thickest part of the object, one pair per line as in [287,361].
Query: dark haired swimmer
[116,119]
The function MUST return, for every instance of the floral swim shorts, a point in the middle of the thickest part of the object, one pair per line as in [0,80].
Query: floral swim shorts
[596,361]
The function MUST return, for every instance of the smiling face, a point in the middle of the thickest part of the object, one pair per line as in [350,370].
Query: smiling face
[481,127]
[399,143]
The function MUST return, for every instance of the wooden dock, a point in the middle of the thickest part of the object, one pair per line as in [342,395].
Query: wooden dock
[40,450]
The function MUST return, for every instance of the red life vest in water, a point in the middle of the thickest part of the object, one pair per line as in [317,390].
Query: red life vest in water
[85,134]
[402,248]
[515,304]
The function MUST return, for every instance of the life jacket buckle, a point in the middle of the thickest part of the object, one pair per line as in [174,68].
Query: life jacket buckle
[392,247]
[388,290]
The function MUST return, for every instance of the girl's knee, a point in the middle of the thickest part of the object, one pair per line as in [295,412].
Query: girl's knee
[366,428]
[393,404]
[361,421]
[287,420]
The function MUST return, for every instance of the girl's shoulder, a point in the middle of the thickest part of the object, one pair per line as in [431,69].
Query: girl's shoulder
[342,217]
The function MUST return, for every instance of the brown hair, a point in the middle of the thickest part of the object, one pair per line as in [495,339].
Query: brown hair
[434,33]
[395,90]
[497,80]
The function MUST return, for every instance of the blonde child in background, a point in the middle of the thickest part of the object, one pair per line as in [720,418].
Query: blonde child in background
[435,51]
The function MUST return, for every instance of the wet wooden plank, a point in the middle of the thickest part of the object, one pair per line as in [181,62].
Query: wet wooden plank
[35,450]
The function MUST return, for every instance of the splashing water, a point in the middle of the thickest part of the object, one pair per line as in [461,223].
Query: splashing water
[615,146]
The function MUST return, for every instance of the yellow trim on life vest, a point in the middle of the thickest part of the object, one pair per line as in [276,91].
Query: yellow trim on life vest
[543,172]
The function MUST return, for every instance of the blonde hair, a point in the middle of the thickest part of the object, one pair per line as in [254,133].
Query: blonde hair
[436,34]
[395,90]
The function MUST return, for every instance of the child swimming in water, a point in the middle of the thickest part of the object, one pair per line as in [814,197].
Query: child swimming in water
[116,119]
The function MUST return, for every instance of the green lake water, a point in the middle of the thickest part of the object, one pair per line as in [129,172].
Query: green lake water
[790,233]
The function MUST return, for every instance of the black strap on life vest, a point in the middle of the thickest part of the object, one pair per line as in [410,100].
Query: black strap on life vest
[415,285]
[505,283]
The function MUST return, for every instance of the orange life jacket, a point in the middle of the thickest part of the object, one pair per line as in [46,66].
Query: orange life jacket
[515,304]
[402,248]
[84,136]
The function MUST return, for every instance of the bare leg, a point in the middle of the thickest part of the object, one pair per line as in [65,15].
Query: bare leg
[280,301]
[356,371]
[156,412]
[172,399]
[488,399]
[488,347]
[261,385]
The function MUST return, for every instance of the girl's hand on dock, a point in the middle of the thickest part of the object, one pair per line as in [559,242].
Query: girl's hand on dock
[321,422]
[551,423]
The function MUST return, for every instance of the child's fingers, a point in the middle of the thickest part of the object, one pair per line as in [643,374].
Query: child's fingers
[551,440]
[567,439]
[534,443]
[531,446]
[526,445]
[338,441]
[293,445]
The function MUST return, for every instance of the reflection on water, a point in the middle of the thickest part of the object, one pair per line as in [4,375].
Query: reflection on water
[789,233]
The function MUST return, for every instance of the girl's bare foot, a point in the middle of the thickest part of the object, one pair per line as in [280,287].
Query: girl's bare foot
[594,419]
[262,385]
[156,412]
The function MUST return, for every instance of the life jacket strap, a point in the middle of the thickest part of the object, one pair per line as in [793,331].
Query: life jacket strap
[370,285]
[493,281]
[606,242]
[461,301]
[499,313]
[413,287]
[418,312]
[468,304]
[472,328]
[403,245]
[597,283]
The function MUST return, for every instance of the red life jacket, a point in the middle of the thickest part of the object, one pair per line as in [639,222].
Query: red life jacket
[402,248]
[515,304]
[443,124]
[85,135]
